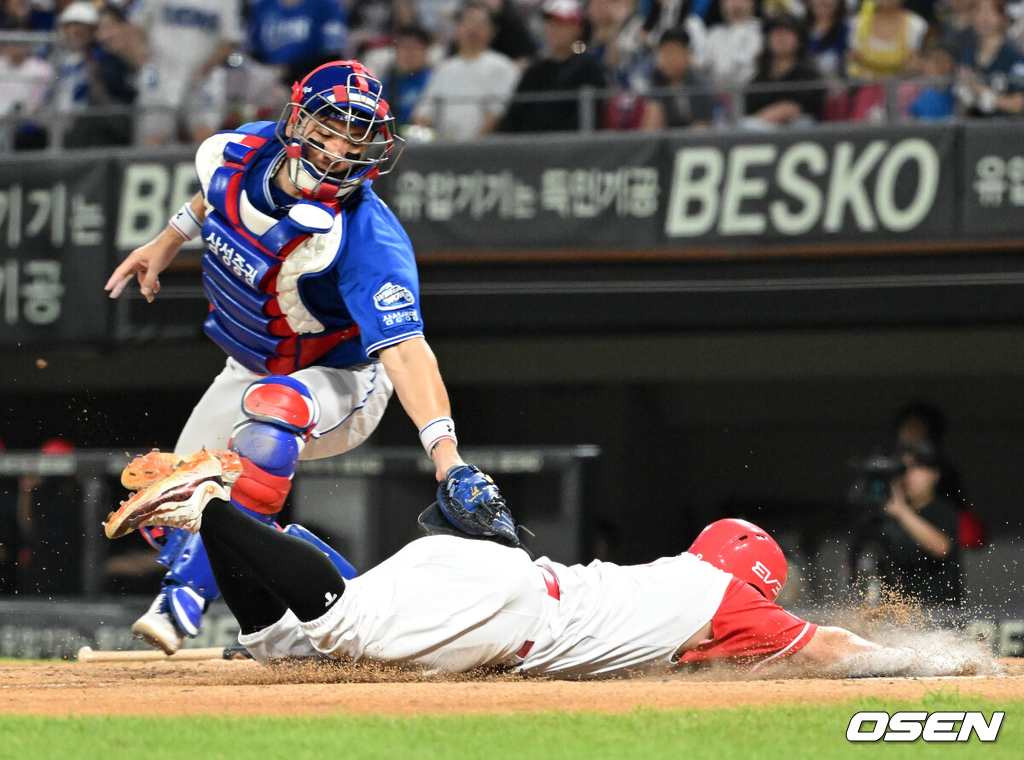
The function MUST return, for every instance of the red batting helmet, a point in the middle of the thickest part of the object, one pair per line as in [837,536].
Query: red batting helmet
[741,548]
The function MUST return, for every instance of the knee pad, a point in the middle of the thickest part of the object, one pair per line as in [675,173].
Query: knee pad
[282,401]
[269,447]
[344,566]
[281,413]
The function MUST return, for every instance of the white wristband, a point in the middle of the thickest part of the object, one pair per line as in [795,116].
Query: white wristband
[185,222]
[436,431]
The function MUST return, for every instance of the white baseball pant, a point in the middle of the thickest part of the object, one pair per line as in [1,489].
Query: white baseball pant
[352,403]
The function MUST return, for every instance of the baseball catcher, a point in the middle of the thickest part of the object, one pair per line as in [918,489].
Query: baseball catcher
[314,297]
[452,604]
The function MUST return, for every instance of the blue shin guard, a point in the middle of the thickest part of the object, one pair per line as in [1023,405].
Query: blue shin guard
[344,567]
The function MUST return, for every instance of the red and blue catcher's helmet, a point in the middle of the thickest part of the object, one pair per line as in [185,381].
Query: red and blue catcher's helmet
[743,549]
[340,98]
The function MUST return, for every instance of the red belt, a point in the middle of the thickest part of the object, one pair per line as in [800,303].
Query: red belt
[551,582]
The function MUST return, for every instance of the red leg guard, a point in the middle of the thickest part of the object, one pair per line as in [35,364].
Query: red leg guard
[284,402]
[258,490]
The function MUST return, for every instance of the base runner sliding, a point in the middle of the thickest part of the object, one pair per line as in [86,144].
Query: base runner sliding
[452,603]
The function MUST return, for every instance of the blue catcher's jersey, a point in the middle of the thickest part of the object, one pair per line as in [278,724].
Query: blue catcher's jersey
[349,293]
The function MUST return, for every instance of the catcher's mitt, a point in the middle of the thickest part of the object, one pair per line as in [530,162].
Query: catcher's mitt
[470,505]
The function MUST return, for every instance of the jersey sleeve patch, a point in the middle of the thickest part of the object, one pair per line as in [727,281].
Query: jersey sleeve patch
[391,297]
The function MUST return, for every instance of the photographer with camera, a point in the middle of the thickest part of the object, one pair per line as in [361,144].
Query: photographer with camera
[921,421]
[907,540]
[918,537]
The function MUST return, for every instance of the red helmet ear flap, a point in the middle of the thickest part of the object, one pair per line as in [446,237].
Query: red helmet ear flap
[746,551]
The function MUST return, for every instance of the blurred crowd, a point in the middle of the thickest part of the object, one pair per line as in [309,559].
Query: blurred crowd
[153,72]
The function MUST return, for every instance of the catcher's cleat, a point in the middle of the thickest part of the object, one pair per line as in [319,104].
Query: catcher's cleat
[178,500]
[176,612]
[157,627]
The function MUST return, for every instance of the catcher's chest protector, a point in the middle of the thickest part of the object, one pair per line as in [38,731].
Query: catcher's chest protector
[252,266]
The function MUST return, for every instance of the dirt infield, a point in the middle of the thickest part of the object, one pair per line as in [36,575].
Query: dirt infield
[245,688]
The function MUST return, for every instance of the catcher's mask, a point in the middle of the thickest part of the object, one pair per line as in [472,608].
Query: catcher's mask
[339,99]
[745,550]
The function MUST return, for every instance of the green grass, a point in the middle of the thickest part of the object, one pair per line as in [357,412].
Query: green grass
[789,732]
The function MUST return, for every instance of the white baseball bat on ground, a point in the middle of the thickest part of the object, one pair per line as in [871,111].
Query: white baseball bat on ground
[88,654]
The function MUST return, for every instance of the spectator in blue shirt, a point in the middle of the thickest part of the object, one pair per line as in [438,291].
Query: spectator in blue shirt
[936,99]
[297,35]
[408,75]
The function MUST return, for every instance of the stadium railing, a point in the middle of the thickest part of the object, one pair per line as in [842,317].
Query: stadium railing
[886,102]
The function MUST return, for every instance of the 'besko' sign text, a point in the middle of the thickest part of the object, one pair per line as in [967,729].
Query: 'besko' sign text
[836,184]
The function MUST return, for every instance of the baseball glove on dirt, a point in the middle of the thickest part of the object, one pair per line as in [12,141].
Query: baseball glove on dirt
[470,505]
